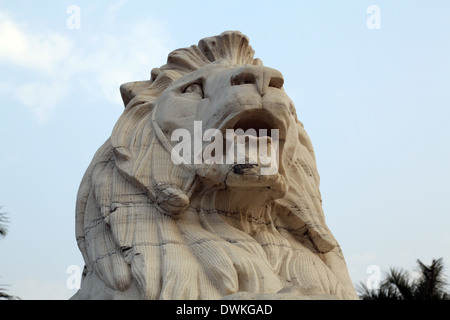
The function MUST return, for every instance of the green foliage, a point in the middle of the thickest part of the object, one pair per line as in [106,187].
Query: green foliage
[3,232]
[398,285]
[5,296]
[3,222]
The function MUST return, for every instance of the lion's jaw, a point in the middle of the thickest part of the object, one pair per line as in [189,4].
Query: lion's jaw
[222,96]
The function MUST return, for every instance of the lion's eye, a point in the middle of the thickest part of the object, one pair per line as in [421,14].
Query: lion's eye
[195,88]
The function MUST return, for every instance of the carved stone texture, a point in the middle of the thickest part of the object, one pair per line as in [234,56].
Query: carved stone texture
[151,228]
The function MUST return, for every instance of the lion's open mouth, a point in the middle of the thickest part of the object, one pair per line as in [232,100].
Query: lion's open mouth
[259,127]
[260,136]
[258,123]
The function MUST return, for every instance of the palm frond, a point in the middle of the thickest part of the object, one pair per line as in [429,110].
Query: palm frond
[398,285]
[385,292]
[3,222]
[399,280]
[5,296]
[431,284]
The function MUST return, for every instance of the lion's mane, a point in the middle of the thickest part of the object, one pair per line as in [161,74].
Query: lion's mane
[141,224]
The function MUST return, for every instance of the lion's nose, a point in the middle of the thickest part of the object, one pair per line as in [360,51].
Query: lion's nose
[260,76]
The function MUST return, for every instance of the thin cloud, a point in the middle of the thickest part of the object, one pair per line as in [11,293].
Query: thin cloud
[113,8]
[41,98]
[37,51]
[94,66]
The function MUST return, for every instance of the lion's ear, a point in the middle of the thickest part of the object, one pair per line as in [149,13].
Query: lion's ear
[131,89]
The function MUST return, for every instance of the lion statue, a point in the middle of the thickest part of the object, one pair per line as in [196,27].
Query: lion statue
[151,228]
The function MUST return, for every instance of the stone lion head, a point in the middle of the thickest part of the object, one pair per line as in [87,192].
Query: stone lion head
[149,227]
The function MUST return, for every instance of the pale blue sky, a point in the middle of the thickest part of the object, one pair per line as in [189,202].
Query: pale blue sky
[376,104]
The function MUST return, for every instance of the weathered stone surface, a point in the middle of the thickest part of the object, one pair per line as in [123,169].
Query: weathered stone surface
[152,224]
